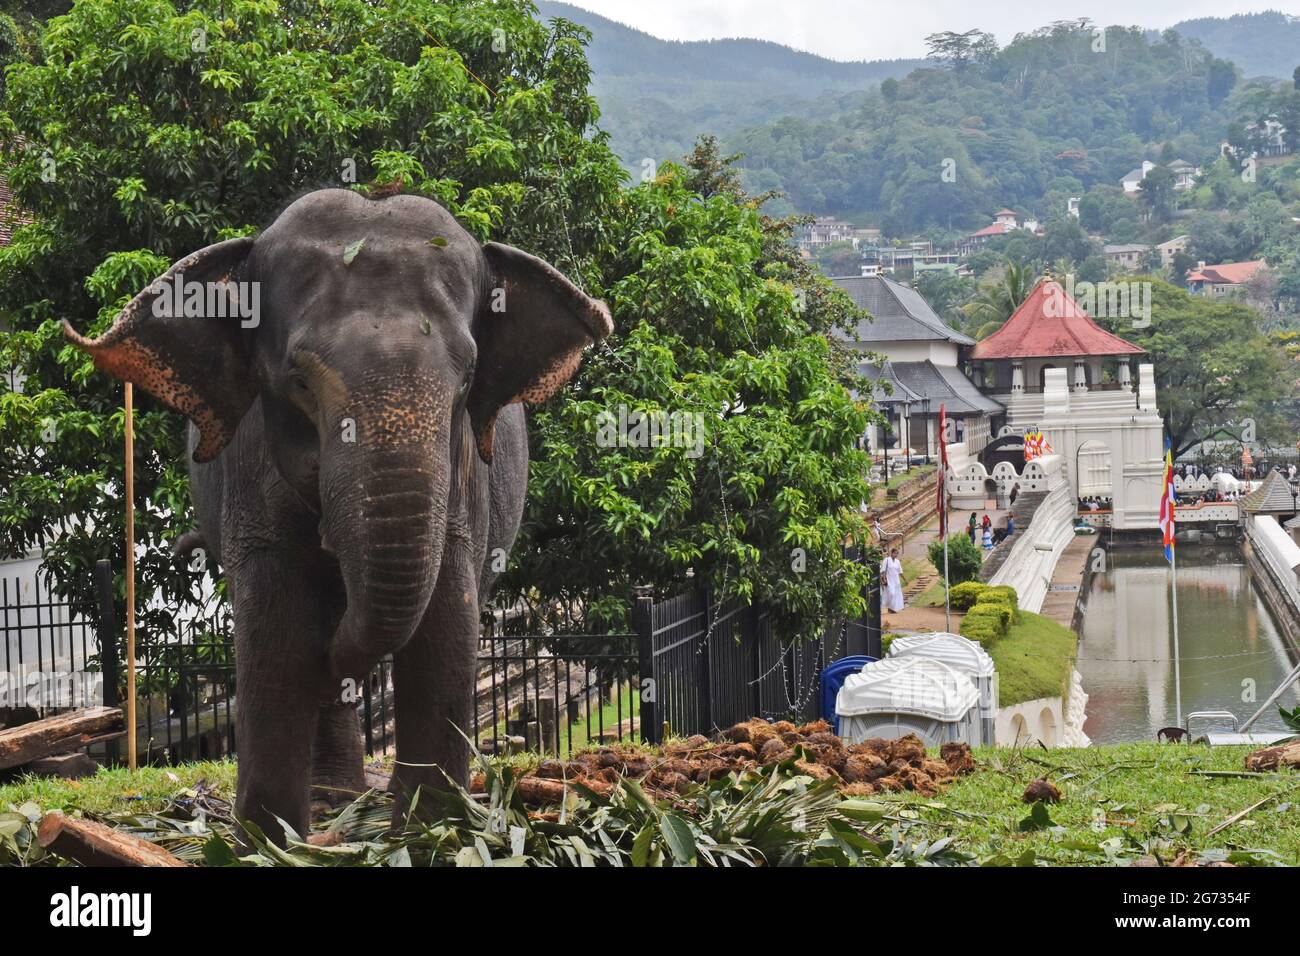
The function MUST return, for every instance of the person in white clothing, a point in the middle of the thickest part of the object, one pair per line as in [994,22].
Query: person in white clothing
[891,576]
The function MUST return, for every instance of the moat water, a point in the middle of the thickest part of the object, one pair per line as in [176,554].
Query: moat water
[1233,654]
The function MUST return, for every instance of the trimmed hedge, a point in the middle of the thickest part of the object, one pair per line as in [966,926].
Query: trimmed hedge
[992,612]
[966,595]
[986,624]
[1000,598]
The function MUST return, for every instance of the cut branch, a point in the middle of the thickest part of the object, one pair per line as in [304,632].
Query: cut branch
[95,844]
[59,734]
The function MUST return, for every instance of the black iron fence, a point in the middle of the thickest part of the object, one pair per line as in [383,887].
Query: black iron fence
[689,665]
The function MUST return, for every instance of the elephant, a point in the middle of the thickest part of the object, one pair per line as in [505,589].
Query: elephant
[353,377]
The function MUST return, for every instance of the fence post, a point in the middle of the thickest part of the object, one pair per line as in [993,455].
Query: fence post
[643,623]
[108,664]
[704,690]
[871,621]
[749,626]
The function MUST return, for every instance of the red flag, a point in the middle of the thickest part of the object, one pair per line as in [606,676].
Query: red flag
[943,472]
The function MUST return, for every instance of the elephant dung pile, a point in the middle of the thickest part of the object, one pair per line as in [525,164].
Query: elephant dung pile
[810,750]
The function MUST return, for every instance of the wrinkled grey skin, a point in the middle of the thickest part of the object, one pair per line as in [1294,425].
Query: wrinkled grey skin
[357,456]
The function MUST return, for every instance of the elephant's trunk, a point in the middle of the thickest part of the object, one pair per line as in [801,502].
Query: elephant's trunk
[386,521]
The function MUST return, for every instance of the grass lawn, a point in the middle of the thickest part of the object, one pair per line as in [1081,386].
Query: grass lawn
[1120,802]
[115,790]
[1140,797]
[1034,659]
[624,704]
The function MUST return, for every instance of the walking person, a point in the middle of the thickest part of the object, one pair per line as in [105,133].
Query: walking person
[891,576]
[970,528]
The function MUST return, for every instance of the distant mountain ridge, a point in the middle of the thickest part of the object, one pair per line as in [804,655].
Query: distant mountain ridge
[1262,44]
[657,95]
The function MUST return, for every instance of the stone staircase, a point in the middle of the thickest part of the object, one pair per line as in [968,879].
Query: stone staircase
[918,584]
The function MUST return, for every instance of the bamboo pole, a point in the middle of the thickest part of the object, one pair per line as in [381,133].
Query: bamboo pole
[130,579]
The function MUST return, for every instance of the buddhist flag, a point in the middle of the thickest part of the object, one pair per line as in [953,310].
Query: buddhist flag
[1167,504]
[943,472]
[1044,446]
[1033,445]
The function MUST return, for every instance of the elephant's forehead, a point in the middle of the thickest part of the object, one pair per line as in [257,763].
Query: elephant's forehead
[403,239]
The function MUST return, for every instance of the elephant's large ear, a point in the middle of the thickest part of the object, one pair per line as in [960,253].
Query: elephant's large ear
[530,331]
[185,357]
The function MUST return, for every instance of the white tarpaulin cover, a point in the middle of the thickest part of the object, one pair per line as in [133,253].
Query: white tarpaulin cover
[953,649]
[911,685]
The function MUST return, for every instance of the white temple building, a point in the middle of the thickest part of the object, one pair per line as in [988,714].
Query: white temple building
[1055,370]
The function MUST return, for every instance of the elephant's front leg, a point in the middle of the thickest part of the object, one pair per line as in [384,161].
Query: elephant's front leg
[280,669]
[338,753]
[433,684]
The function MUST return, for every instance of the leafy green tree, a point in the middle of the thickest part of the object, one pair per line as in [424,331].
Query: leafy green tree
[715,319]
[1214,366]
[998,298]
[1157,190]
[143,130]
[227,108]
[965,557]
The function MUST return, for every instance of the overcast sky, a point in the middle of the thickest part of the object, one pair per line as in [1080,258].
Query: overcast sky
[874,30]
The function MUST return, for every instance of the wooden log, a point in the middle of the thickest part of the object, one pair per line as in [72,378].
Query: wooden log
[67,766]
[58,734]
[1270,758]
[95,844]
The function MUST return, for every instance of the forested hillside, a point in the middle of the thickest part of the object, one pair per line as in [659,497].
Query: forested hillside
[1262,44]
[657,96]
[1046,117]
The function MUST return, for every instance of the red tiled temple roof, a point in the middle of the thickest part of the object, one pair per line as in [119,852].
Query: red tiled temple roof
[1050,324]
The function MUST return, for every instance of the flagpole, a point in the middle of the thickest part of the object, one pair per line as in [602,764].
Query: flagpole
[943,513]
[1178,676]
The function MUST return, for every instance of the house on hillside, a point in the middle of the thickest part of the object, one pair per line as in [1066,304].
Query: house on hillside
[1266,142]
[1224,279]
[1184,175]
[1004,221]
[1127,256]
[823,232]
[923,367]
[1173,247]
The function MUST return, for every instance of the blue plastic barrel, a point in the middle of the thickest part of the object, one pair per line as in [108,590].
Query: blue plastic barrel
[832,679]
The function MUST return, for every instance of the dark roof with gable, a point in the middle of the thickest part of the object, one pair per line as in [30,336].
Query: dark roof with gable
[946,385]
[900,313]
[899,394]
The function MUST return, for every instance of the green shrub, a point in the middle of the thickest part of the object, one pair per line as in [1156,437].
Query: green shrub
[987,623]
[999,598]
[1006,589]
[966,595]
[885,641]
[964,558]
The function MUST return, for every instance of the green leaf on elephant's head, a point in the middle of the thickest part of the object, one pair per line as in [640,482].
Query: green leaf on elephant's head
[351,251]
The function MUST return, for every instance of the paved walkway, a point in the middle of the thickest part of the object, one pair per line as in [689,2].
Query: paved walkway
[1066,578]
[913,618]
